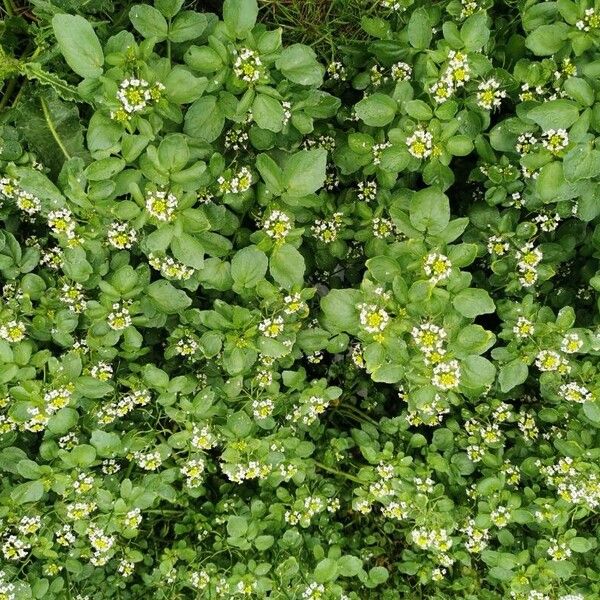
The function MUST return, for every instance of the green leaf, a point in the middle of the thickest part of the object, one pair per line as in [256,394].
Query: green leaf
[169,8]
[287,266]
[203,59]
[79,44]
[173,152]
[430,210]
[473,302]
[582,162]
[264,542]
[555,114]
[376,110]
[417,109]
[581,544]
[580,90]
[83,455]
[52,128]
[148,21]
[181,87]
[204,119]
[239,423]
[419,29]
[76,265]
[249,266]
[304,172]
[89,387]
[392,373]
[32,491]
[383,268]
[339,309]
[474,339]
[188,25]
[326,570]
[378,575]
[512,374]
[168,298]
[349,566]
[547,39]
[478,372]
[459,145]
[240,16]
[106,443]
[475,32]
[299,64]
[237,526]
[592,411]
[271,173]
[188,250]
[268,112]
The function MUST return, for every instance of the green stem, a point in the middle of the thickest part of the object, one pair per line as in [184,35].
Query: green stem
[53,131]
[9,8]
[169,45]
[336,472]
[361,414]
[10,88]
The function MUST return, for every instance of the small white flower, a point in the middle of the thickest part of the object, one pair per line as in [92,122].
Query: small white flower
[489,94]
[161,205]
[277,225]
[420,143]
[437,267]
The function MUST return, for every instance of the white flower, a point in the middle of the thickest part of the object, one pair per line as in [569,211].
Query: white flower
[497,245]
[383,228]
[236,184]
[500,516]
[548,222]
[446,375]
[525,143]
[524,328]
[489,95]
[327,230]
[28,203]
[261,409]
[193,470]
[555,140]
[161,205]
[548,360]
[248,66]
[170,268]
[373,318]
[367,190]
[13,331]
[401,71]
[437,267]
[573,392]
[119,318]
[420,143]
[336,70]
[121,235]
[271,327]
[61,222]
[277,225]
[571,343]
[134,95]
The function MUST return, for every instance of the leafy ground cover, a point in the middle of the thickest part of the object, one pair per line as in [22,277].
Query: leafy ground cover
[299,300]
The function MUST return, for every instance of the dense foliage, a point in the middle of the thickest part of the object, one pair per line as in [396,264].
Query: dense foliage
[272,328]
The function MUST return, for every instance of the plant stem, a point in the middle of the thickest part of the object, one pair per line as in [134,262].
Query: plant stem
[336,472]
[10,88]
[169,45]
[361,414]
[53,131]
[9,8]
